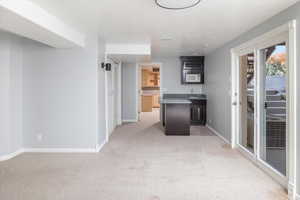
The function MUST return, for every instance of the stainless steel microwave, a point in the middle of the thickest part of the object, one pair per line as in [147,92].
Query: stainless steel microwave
[193,78]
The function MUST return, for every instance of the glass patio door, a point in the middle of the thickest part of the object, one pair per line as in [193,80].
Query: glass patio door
[264,102]
[273,107]
[263,106]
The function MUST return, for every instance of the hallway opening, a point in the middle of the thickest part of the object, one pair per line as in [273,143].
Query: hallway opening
[149,89]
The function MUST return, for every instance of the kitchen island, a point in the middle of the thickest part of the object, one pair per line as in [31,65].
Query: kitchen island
[180,111]
[176,114]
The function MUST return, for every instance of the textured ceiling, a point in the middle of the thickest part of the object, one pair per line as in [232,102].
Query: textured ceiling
[193,31]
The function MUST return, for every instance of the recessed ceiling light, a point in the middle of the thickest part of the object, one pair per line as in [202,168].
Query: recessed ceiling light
[177,4]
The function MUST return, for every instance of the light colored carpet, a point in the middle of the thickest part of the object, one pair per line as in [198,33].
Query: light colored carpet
[140,163]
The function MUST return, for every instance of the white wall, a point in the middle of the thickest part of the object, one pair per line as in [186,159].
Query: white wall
[4,92]
[50,98]
[10,94]
[129,111]
[101,95]
[16,93]
[114,94]
[110,98]
[60,96]
[118,99]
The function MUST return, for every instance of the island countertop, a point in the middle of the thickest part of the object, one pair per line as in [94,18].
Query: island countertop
[181,98]
[185,96]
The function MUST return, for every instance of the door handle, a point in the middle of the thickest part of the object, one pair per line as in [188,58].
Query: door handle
[234,103]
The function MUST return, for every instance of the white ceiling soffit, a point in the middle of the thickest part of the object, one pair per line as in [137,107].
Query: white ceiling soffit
[130,58]
[29,20]
[129,52]
[128,49]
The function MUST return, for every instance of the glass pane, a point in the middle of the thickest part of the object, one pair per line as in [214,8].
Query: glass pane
[246,138]
[273,137]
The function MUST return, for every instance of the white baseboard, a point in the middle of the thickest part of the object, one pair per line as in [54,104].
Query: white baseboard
[11,155]
[58,150]
[51,150]
[291,191]
[100,146]
[218,134]
[129,120]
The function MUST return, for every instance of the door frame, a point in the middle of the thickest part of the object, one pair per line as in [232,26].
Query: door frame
[257,44]
[139,82]
[118,68]
[106,101]
[237,55]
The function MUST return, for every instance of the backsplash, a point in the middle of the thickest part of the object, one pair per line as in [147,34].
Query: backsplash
[184,89]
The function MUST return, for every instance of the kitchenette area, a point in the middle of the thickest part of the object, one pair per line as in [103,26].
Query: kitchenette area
[179,112]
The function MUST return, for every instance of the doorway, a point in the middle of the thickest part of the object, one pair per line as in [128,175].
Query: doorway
[263,102]
[149,87]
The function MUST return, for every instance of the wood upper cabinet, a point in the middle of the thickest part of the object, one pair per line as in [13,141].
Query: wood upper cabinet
[150,79]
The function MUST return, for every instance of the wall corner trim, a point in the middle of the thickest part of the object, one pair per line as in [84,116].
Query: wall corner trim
[291,191]
[218,134]
[293,24]
[100,146]
[11,155]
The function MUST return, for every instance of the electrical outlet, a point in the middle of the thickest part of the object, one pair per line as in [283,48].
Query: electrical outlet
[39,137]
[210,121]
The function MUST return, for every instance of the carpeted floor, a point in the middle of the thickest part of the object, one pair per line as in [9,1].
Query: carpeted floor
[140,163]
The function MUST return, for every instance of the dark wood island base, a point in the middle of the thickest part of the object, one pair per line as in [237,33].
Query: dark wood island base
[181,111]
[177,119]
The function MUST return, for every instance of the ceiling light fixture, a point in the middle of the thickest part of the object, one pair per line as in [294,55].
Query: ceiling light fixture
[176,4]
